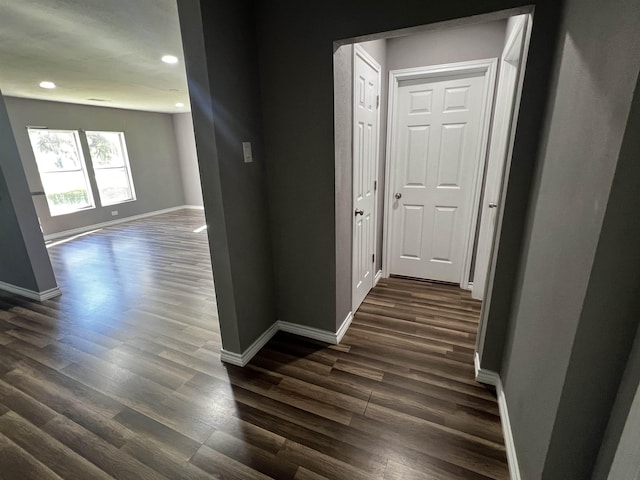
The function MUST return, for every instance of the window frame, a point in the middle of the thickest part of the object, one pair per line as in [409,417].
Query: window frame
[83,168]
[126,166]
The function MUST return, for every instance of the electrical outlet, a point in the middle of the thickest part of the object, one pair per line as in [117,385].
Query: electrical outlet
[114,213]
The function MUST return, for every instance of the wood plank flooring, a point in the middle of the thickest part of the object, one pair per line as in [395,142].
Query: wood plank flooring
[121,377]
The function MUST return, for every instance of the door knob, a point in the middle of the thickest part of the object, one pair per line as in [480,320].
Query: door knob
[398,196]
[359,212]
[493,205]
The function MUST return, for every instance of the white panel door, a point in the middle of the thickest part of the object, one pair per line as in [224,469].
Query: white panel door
[435,153]
[365,160]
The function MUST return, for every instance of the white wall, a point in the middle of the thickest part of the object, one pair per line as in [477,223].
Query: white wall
[188,158]
[433,47]
[151,146]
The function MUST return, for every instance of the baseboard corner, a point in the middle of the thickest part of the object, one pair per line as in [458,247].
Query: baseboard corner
[31,294]
[49,294]
[487,377]
[377,277]
[344,327]
[241,359]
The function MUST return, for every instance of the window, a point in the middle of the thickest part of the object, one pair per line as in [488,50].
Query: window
[62,170]
[108,152]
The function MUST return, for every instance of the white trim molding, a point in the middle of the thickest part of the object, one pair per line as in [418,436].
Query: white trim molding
[489,377]
[31,294]
[326,336]
[242,359]
[88,228]
[359,51]
[377,278]
[332,338]
[344,327]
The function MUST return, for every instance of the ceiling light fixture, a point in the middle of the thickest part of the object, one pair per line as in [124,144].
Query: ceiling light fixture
[179,104]
[169,59]
[47,84]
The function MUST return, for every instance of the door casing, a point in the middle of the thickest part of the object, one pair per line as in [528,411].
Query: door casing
[504,122]
[488,290]
[488,68]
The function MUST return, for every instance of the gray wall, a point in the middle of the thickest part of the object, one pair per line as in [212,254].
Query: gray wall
[433,47]
[343,118]
[150,143]
[576,305]
[222,68]
[611,311]
[188,158]
[24,261]
[624,409]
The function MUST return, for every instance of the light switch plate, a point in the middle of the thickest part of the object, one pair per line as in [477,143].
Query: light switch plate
[246,152]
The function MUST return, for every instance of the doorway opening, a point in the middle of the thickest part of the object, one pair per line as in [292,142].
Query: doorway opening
[106,142]
[431,115]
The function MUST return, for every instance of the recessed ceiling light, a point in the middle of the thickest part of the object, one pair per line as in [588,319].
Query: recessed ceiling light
[179,104]
[47,85]
[170,59]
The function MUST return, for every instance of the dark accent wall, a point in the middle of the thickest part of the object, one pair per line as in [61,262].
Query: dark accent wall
[608,323]
[24,261]
[220,53]
[575,314]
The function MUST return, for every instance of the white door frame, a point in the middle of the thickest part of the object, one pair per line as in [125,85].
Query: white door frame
[486,301]
[511,66]
[358,51]
[488,68]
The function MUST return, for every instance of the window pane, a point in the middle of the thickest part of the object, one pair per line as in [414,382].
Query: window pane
[55,150]
[62,170]
[66,192]
[111,165]
[106,150]
[113,185]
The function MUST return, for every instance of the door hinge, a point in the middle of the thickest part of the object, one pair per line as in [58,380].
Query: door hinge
[373,258]
[375,185]
[377,101]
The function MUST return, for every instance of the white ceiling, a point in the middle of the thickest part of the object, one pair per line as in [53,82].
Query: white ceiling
[93,49]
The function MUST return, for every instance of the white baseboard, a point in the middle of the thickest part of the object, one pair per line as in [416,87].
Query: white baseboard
[309,332]
[31,294]
[344,327]
[333,338]
[87,228]
[242,359]
[492,378]
[377,278]
[485,376]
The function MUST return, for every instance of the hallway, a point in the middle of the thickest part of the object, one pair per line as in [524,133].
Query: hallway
[121,378]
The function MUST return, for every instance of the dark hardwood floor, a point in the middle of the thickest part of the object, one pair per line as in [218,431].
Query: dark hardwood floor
[121,377]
